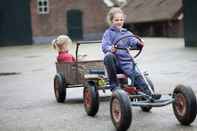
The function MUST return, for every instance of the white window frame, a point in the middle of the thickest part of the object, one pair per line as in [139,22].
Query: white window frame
[43,6]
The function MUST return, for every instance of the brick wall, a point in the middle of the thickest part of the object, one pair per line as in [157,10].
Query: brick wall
[52,24]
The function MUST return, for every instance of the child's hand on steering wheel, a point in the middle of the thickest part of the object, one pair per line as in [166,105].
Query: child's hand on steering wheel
[113,49]
[141,44]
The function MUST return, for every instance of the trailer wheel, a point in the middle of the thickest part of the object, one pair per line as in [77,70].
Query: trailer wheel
[185,106]
[120,110]
[59,88]
[91,99]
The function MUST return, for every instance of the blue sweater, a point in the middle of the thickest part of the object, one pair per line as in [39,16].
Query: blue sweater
[112,35]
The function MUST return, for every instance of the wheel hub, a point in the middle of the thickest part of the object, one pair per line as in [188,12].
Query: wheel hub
[116,111]
[180,104]
[88,99]
[56,88]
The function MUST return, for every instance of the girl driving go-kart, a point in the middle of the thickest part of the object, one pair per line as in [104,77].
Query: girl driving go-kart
[115,44]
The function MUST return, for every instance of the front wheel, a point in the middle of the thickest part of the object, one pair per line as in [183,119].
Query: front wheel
[91,99]
[185,105]
[120,110]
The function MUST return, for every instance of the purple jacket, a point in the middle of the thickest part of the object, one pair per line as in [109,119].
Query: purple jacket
[113,34]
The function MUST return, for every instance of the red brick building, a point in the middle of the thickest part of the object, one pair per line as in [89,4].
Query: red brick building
[40,21]
[85,19]
[80,19]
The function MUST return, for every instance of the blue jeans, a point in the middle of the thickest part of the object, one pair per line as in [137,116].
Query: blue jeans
[115,66]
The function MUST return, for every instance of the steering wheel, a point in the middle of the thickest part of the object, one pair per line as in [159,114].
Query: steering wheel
[124,37]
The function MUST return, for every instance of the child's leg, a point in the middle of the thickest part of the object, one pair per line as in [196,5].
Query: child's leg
[136,78]
[140,82]
[111,66]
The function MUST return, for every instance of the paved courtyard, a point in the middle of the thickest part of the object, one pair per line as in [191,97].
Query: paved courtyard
[27,101]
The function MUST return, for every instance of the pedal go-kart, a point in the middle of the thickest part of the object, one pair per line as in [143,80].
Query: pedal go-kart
[183,99]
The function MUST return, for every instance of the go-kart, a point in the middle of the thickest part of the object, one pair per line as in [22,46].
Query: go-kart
[122,100]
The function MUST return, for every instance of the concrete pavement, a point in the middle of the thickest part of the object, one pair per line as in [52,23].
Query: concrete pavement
[27,100]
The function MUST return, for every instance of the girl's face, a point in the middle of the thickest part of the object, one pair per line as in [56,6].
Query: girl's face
[118,20]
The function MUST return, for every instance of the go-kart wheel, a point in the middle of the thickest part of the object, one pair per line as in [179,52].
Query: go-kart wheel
[59,88]
[120,110]
[185,106]
[91,99]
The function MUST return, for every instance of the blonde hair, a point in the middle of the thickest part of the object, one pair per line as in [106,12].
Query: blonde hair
[61,41]
[112,12]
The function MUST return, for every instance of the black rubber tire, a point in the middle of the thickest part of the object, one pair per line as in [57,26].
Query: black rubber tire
[59,88]
[91,98]
[120,98]
[148,108]
[185,105]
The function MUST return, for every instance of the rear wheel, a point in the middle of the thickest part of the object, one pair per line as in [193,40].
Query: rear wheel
[185,105]
[120,110]
[59,88]
[91,99]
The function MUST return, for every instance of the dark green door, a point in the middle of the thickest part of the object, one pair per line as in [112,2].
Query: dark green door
[74,24]
[190,23]
[15,22]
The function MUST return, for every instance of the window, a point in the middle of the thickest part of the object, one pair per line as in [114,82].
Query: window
[43,6]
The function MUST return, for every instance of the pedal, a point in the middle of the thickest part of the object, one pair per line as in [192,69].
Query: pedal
[156,96]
